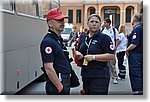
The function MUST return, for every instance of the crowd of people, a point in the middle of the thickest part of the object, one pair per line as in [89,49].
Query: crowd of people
[96,50]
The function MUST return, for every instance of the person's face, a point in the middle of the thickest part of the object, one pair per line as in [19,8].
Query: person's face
[106,24]
[133,21]
[74,29]
[94,24]
[57,25]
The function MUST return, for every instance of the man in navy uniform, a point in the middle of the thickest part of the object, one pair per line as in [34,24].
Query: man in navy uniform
[135,55]
[55,62]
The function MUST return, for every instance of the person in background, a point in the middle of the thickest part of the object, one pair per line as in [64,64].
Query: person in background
[81,31]
[134,52]
[102,26]
[93,51]
[84,31]
[73,36]
[114,35]
[122,45]
[80,34]
[56,64]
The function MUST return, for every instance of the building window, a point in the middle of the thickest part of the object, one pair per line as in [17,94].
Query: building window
[92,11]
[128,15]
[70,14]
[78,16]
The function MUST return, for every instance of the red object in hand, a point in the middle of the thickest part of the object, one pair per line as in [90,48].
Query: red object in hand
[77,61]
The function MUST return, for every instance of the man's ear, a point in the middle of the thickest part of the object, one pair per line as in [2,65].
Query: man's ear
[49,23]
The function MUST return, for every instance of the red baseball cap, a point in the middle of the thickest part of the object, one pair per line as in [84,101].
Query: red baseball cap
[56,14]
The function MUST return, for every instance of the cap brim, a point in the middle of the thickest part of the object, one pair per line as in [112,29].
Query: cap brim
[61,17]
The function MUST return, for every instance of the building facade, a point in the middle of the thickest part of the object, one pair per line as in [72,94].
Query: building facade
[119,11]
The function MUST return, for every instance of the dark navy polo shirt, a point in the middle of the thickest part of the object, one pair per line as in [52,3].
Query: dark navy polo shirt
[98,44]
[136,38]
[52,51]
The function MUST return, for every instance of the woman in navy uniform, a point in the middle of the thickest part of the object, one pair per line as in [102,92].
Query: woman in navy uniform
[134,52]
[55,62]
[94,50]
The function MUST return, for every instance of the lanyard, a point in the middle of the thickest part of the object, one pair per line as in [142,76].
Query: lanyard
[62,46]
[88,45]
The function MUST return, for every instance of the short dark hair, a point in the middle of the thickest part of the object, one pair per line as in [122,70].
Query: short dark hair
[92,15]
[107,20]
[139,17]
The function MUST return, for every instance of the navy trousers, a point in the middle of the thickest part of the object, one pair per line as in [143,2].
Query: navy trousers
[52,90]
[95,86]
[136,71]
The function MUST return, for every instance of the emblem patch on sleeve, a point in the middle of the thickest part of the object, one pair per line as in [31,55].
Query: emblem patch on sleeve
[134,36]
[48,50]
[111,46]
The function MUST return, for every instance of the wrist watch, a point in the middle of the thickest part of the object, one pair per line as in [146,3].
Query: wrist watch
[93,57]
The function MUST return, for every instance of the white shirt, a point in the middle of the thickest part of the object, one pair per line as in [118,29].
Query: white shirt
[110,33]
[123,45]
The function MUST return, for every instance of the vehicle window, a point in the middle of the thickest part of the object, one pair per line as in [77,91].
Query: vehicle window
[26,7]
[67,31]
[7,5]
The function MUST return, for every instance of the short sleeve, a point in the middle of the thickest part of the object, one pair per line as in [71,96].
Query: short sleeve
[121,35]
[47,51]
[136,36]
[107,44]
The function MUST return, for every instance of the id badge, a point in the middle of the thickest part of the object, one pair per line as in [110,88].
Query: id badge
[85,62]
